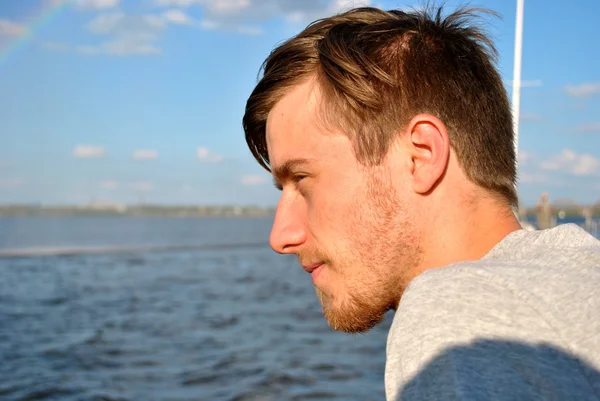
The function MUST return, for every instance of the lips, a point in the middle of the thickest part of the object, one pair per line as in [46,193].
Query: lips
[312,267]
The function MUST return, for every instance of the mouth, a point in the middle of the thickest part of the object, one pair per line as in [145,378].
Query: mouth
[312,267]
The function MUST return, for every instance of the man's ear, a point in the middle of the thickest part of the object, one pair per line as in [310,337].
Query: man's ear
[430,151]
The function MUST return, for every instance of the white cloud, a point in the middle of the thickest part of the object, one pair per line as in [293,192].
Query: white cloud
[87,151]
[525,157]
[96,4]
[9,28]
[131,34]
[12,183]
[118,23]
[217,7]
[530,117]
[217,16]
[224,6]
[229,6]
[534,83]
[207,156]
[142,186]
[177,17]
[120,48]
[209,25]
[573,163]
[583,90]
[139,34]
[530,178]
[248,30]
[587,128]
[213,25]
[233,15]
[586,165]
[253,179]
[177,3]
[125,34]
[105,23]
[343,5]
[202,152]
[558,162]
[187,188]
[145,154]
[305,12]
[109,184]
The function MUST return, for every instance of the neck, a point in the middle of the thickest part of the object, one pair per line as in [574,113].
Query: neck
[465,233]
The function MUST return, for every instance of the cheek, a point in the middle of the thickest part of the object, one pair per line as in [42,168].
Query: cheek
[339,228]
[333,196]
[331,213]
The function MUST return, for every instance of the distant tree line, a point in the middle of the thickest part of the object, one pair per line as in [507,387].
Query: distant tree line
[136,210]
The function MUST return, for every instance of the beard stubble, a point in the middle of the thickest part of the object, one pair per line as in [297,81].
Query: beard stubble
[383,245]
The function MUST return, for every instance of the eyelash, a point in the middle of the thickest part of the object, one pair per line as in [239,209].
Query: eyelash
[298,177]
[295,178]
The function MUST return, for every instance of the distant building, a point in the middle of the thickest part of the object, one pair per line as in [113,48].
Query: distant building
[544,213]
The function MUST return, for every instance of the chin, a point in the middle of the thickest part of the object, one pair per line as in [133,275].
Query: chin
[351,316]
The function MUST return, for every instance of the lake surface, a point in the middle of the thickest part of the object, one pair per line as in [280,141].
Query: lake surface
[137,308]
[152,308]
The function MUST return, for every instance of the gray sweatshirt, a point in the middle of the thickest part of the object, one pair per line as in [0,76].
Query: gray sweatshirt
[522,323]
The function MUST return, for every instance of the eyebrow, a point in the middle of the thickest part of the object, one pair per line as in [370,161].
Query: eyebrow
[284,171]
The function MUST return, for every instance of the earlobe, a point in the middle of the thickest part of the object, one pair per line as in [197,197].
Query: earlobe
[430,150]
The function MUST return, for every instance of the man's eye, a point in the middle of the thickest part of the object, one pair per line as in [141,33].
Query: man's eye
[293,179]
[298,177]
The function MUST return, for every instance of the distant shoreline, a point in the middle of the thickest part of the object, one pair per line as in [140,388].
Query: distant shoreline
[570,211]
[138,210]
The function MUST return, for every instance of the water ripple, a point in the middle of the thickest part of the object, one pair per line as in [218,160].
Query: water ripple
[236,323]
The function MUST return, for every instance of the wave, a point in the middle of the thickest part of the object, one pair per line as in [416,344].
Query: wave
[109,249]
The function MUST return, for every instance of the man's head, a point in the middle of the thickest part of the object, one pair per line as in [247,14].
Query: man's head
[375,124]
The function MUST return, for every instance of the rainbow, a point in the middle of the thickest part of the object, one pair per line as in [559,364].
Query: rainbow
[34,23]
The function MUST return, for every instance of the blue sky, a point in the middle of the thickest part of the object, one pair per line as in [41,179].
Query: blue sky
[122,101]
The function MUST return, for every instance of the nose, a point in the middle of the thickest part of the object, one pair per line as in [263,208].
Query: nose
[289,226]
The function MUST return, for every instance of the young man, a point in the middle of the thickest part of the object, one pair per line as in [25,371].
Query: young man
[390,136]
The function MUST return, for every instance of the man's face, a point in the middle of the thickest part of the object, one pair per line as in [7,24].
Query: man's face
[347,223]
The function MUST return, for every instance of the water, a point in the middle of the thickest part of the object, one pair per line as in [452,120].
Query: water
[188,320]
[132,308]
[592,225]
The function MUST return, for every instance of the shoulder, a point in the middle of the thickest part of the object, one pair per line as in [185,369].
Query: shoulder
[471,329]
[562,246]
[460,302]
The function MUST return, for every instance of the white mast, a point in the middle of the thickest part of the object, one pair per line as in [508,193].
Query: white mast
[516,92]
